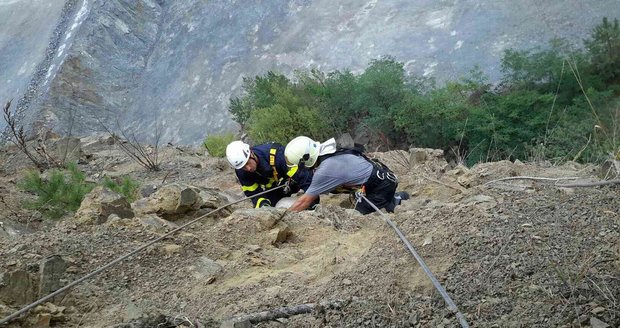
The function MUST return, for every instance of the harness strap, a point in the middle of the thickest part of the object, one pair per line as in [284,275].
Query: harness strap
[272,162]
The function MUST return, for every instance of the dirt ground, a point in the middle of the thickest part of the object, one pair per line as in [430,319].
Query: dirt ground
[514,253]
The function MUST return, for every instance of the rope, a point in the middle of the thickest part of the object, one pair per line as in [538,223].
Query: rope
[41,300]
[589,184]
[428,271]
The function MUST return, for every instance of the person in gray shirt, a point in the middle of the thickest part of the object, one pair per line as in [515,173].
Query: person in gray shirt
[343,170]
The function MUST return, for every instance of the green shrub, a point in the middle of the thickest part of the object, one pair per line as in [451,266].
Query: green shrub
[435,119]
[127,187]
[552,102]
[281,124]
[288,117]
[62,192]
[604,48]
[216,144]
[258,92]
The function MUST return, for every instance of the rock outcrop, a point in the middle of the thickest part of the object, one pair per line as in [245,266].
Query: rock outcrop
[99,204]
[175,64]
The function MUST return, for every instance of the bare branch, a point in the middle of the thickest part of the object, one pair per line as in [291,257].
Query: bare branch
[131,147]
[589,184]
[287,311]
[531,178]
[567,185]
[42,160]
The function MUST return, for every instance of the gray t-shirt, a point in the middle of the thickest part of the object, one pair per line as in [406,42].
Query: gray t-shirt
[339,170]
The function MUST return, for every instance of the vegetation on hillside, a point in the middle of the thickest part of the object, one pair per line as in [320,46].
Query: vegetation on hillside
[554,104]
[62,191]
[216,144]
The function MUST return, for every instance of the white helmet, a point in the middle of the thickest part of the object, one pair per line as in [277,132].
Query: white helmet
[238,154]
[307,151]
[301,150]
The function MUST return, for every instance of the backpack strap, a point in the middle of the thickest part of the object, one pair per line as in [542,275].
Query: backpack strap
[272,162]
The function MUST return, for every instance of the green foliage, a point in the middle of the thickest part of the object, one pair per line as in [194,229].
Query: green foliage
[216,144]
[333,95]
[506,124]
[285,120]
[126,187]
[381,92]
[552,103]
[604,48]
[62,192]
[240,108]
[435,119]
[275,109]
[259,92]
[536,68]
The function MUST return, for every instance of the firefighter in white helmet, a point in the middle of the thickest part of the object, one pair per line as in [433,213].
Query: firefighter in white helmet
[339,170]
[263,167]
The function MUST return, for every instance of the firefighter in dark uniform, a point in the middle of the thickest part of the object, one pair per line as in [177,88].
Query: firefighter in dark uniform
[264,167]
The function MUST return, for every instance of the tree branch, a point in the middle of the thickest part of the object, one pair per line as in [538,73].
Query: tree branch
[287,311]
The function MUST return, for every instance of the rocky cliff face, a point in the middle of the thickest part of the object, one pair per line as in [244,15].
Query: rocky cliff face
[175,64]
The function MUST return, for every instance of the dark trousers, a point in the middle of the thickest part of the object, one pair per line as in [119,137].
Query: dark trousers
[380,189]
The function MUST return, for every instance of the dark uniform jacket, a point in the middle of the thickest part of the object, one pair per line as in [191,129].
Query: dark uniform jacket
[270,172]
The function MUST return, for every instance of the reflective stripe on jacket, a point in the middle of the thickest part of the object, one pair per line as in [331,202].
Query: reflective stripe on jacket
[271,169]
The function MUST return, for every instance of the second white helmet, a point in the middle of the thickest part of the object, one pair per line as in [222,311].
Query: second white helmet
[302,150]
[238,154]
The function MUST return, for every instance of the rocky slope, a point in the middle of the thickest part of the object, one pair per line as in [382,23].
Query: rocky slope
[510,253]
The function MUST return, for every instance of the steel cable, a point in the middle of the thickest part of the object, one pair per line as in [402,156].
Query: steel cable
[426,269]
[99,270]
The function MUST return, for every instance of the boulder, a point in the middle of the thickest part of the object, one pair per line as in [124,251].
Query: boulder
[212,198]
[263,219]
[155,223]
[286,202]
[279,235]
[431,160]
[51,271]
[345,140]
[205,268]
[262,227]
[97,141]
[170,201]
[65,150]
[422,155]
[43,320]
[99,204]
[485,172]
[49,314]
[18,287]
